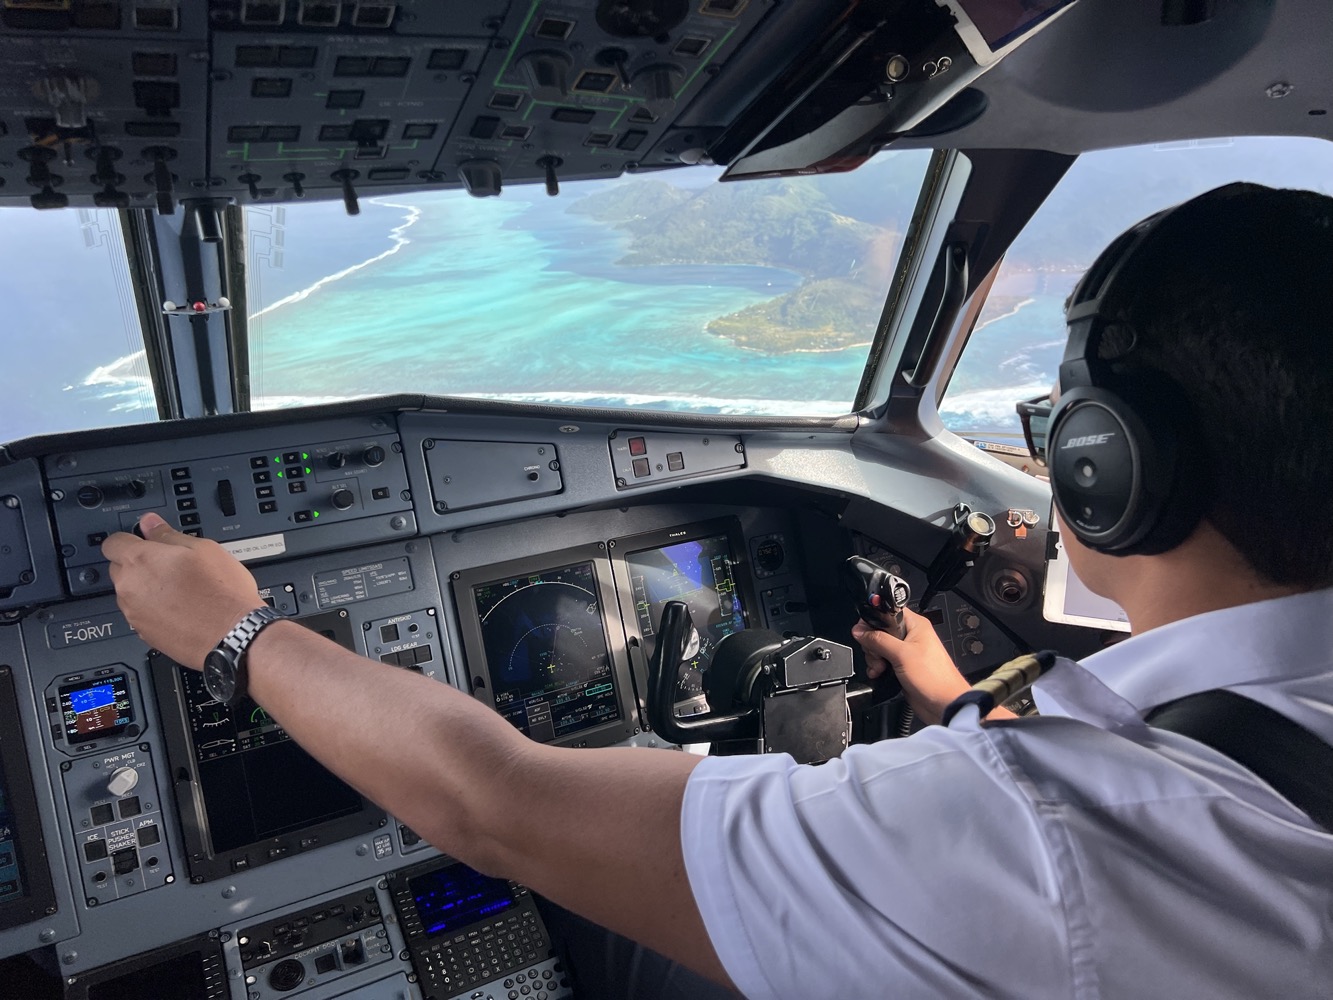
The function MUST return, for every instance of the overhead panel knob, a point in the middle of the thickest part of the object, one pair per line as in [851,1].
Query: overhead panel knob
[337,460]
[373,456]
[481,178]
[89,496]
[658,84]
[343,499]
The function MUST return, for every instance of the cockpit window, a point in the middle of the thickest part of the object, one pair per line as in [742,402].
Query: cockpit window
[1016,346]
[663,291]
[74,354]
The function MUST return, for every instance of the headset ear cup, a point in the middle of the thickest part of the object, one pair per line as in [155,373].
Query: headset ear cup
[1118,472]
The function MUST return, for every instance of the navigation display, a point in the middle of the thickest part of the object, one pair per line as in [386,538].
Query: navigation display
[96,708]
[700,573]
[452,898]
[249,794]
[1002,21]
[546,650]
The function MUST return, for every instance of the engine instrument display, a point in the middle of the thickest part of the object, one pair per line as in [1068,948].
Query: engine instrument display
[256,795]
[546,648]
[26,891]
[448,899]
[96,708]
[245,757]
[11,878]
[700,573]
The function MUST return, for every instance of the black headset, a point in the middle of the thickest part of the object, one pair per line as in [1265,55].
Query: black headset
[1125,459]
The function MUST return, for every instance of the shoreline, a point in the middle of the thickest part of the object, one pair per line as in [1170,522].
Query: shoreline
[1023,304]
[395,235]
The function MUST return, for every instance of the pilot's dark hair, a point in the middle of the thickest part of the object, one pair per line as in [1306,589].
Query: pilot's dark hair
[1231,298]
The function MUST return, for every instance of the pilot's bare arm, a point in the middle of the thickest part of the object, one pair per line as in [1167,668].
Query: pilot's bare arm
[597,831]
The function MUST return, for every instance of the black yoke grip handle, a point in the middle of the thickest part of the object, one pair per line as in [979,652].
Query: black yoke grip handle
[673,638]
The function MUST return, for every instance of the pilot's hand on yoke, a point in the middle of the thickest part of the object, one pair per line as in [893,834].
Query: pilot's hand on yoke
[181,594]
[920,661]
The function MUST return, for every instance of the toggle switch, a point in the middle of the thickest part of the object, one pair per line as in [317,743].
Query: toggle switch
[345,178]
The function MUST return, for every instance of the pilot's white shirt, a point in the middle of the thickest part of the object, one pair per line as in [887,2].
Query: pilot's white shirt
[1079,854]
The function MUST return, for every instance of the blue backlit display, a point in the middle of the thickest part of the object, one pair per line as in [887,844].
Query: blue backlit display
[457,896]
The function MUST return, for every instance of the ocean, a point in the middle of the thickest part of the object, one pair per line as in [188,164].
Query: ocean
[512,298]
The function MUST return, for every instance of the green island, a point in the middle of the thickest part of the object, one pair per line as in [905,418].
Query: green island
[814,226]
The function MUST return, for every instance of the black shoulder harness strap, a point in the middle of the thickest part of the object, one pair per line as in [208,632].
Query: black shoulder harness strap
[1297,764]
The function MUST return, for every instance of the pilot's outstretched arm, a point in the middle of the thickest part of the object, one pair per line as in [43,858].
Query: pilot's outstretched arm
[597,831]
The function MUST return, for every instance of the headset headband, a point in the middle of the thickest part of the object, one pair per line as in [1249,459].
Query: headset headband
[1083,364]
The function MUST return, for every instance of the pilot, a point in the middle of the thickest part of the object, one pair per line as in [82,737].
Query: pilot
[1087,852]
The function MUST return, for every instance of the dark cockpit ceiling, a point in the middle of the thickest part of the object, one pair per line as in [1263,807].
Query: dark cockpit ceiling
[265,101]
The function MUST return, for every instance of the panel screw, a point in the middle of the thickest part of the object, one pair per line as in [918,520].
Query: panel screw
[1279,90]
[441,507]
[10,501]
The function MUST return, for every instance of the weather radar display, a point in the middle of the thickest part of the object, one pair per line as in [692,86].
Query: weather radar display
[546,650]
[699,573]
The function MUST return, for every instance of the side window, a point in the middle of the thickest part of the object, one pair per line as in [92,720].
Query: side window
[74,350]
[1015,348]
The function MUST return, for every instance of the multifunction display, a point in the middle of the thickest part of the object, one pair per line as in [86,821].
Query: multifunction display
[546,647]
[699,573]
[97,708]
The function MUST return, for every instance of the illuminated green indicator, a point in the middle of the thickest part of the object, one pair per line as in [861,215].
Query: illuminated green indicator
[314,513]
[305,457]
[277,459]
[280,476]
[307,468]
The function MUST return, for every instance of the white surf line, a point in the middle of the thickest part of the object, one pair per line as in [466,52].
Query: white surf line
[395,234]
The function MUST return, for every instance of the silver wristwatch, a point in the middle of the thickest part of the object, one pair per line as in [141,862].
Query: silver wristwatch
[225,675]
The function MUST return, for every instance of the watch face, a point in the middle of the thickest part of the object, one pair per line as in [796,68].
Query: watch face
[220,676]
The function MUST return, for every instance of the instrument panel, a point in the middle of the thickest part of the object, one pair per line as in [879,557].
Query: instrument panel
[159,829]
[169,817]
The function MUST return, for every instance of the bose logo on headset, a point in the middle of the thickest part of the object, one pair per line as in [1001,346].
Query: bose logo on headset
[1083,442]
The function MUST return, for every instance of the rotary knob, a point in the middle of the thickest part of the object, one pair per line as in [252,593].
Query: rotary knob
[373,456]
[976,646]
[971,621]
[337,460]
[343,499]
[122,781]
[89,496]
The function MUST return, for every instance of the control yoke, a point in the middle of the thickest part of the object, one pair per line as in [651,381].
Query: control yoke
[785,695]
[880,596]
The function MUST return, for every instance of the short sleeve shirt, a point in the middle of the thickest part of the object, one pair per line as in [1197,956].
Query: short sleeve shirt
[1077,854]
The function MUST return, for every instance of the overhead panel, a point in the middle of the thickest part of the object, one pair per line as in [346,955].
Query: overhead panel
[265,100]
